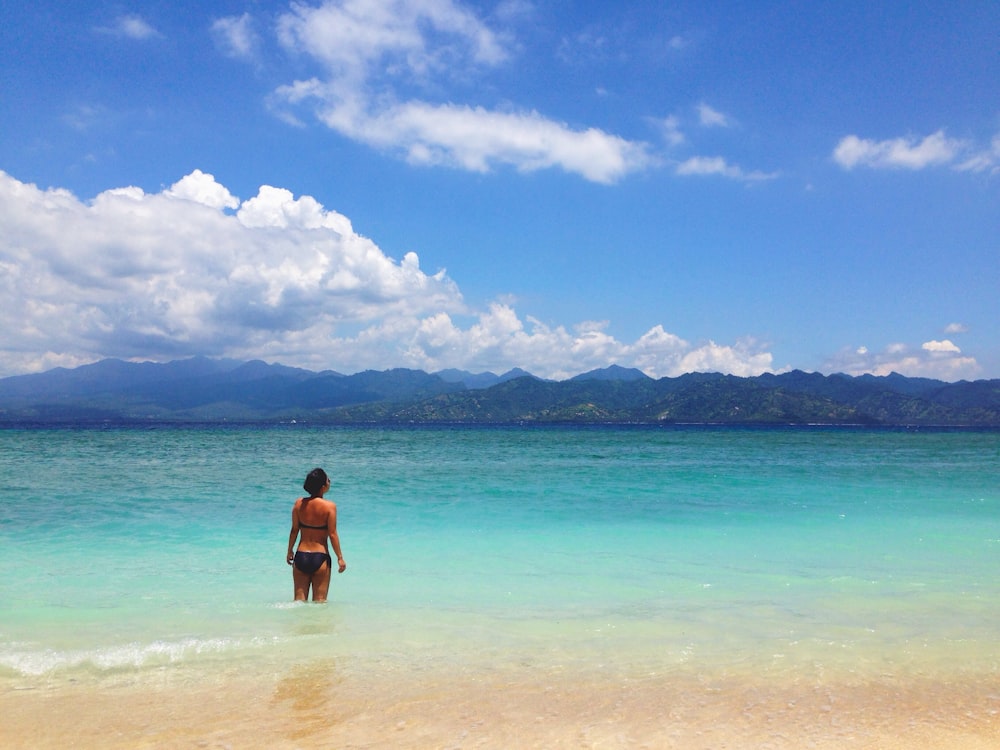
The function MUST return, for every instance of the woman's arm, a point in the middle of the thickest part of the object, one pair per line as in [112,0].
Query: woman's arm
[331,525]
[293,534]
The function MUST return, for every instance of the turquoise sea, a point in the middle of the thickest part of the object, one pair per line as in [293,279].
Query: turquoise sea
[148,554]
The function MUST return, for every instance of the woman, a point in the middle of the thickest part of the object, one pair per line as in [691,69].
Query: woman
[316,520]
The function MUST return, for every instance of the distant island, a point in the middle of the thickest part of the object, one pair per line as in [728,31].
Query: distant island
[218,390]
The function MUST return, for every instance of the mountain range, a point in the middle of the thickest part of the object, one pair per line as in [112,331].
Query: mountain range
[215,390]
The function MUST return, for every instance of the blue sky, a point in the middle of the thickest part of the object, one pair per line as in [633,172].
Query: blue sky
[739,187]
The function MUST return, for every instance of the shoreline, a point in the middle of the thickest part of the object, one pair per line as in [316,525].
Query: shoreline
[318,704]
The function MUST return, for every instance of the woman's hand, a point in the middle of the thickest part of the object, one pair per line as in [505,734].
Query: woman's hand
[290,559]
[341,565]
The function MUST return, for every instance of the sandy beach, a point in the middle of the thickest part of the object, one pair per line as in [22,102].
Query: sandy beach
[316,706]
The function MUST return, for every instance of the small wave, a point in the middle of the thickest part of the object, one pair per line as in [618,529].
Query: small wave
[288,605]
[23,660]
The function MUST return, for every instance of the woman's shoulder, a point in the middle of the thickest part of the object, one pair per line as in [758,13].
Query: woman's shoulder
[314,502]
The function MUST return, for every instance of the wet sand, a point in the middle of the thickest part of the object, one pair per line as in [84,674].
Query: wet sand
[318,706]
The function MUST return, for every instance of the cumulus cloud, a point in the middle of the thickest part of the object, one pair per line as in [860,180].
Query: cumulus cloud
[202,188]
[899,153]
[371,51]
[499,339]
[194,270]
[932,359]
[132,274]
[940,347]
[956,328]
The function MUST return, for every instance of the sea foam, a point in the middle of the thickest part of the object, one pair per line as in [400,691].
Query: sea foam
[22,659]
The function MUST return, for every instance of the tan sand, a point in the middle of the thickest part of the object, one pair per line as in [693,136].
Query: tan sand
[318,707]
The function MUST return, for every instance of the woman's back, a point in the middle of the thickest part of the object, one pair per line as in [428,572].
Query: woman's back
[313,514]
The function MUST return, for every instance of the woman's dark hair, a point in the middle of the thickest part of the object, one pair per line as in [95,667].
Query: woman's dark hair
[315,481]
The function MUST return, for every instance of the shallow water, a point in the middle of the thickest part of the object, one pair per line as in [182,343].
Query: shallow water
[536,556]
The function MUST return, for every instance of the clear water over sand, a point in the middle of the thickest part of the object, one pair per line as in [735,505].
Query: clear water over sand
[698,587]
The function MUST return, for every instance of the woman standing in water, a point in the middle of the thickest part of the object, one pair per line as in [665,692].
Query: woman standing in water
[315,518]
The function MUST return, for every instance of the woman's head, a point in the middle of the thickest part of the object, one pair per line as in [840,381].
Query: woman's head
[315,481]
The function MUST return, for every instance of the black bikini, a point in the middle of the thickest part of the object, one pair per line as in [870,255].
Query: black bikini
[310,562]
[310,526]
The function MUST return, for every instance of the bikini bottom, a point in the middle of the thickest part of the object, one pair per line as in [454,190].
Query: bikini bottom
[310,562]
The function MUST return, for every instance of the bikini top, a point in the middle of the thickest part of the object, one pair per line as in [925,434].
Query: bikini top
[310,526]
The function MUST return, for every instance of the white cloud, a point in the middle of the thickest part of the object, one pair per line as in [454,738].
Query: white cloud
[235,36]
[354,38]
[130,27]
[900,153]
[192,270]
[712,118]
[718,166]
[202,188]
[956,328]
[372,50]
[475,139]
[984,160]
[499,339]
[135,274]
[940,347]
[278,208]
[933,359]
[672,133]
